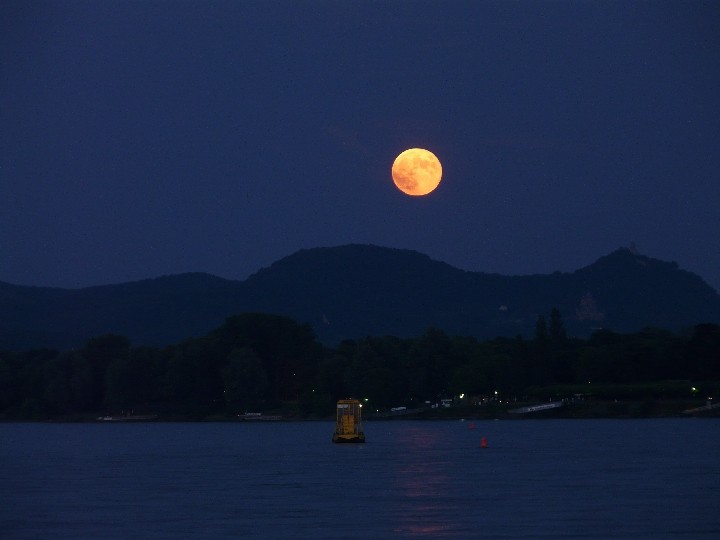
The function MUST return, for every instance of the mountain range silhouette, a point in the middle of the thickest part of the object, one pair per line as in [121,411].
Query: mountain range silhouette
[353,291]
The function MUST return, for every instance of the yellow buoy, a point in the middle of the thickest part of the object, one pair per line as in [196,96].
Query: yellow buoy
[348,425]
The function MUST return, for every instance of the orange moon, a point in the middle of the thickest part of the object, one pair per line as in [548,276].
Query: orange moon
[416,171]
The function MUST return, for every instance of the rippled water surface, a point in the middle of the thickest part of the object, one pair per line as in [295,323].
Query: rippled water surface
[536,479]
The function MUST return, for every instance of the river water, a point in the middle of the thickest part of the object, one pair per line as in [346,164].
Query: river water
[412,479]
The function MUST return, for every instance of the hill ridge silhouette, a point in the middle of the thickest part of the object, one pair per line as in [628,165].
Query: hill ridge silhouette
[354,290]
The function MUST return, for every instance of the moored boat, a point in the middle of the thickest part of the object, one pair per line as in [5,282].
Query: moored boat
[128,418]
[258,417]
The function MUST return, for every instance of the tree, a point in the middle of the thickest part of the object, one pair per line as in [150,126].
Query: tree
[100,353]
[330,384]
[245,380]
[8,385]
[557,328]
[703,352]
[358,379]
[81,383]
[472,378]
[430,364]
[540,373]
[540,330]
[180,380]
[194,381]
[57,375]
[119,385]
[288,350]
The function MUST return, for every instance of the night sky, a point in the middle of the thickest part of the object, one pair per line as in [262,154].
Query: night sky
[144,138]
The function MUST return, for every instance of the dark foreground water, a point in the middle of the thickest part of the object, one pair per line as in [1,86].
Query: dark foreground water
[537,479]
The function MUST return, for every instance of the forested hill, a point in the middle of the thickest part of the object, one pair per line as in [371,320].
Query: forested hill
[358,290]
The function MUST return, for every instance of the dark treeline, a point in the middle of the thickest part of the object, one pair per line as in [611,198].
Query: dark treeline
[259,362]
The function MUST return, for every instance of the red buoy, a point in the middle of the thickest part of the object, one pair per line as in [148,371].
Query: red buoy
[483,443]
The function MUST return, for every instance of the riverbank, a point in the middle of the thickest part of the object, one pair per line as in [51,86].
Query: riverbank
[578,409]
[583,409]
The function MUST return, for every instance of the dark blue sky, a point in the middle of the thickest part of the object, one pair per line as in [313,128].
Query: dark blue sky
[142,138]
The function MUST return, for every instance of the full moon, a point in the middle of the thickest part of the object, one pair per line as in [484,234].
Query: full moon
[416,171]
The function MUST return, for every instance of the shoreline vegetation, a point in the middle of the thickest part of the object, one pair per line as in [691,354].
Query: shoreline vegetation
[261,367]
